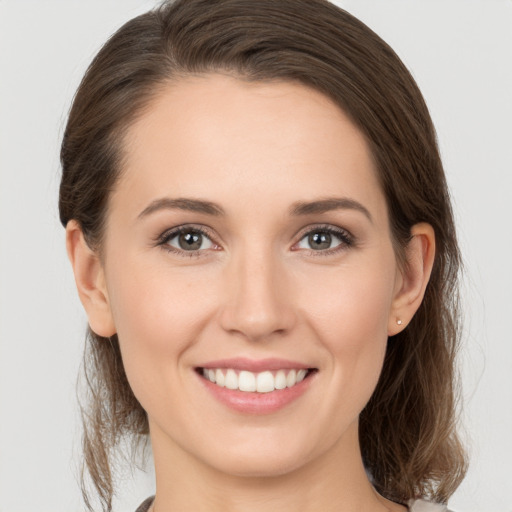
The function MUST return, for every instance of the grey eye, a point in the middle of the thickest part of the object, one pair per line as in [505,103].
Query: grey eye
[321,240]
[190,240]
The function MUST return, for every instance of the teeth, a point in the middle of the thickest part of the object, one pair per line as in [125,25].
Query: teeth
[231,380]
[263,382]
[247,381]
[291,378]
[220,379]
[280,380]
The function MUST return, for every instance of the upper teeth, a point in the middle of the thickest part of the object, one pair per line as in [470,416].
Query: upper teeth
[263,382]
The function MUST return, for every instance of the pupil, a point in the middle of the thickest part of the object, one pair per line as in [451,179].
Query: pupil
[190,241]
[320,240]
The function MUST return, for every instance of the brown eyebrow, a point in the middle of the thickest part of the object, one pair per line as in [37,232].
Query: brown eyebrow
[297,209]
[192,205]
[327,205]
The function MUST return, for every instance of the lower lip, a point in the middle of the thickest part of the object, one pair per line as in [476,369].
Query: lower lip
[257,403]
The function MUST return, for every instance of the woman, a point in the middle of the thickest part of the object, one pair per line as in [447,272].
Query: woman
[261,235]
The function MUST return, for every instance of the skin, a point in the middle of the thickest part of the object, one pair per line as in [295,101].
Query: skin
[256,288]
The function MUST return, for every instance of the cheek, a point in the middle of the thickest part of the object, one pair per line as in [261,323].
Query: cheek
[350,317]
[158,315]
[155,305]
[351,305]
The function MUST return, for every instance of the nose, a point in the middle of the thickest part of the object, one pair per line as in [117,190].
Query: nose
[259,302]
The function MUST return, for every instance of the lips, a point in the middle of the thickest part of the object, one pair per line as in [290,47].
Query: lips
[256,386]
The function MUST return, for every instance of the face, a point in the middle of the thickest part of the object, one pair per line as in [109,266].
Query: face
[247,242]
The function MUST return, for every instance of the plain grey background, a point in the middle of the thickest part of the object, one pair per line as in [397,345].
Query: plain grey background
[460,52]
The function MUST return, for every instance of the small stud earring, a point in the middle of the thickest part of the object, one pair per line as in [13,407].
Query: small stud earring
[399,322]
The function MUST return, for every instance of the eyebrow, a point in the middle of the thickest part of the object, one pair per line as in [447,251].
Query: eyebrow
[298,208]
[191,205]
[327,205]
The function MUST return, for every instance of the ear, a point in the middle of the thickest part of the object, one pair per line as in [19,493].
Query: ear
[413,279]
[90,281]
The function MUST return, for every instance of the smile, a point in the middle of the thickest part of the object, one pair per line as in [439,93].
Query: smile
[251,382]
[252,386]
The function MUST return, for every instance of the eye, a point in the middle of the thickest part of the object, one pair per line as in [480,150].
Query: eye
[186,239]
[325,239]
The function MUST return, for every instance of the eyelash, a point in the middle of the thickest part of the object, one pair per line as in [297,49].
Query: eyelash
[346,238]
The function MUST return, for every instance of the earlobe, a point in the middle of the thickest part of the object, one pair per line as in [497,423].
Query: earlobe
[413,279]
[90,281]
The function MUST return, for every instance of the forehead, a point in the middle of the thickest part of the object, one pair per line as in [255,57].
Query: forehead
[208,135]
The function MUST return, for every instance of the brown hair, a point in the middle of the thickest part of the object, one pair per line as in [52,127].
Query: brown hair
[407,430]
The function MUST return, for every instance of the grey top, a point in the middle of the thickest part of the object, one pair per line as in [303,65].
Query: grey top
[413,505]
[425,506]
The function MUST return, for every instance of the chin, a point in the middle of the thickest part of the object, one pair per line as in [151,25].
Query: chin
[259,467]
[267,459]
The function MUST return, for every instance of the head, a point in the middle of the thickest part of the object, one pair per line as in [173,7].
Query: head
[263,56]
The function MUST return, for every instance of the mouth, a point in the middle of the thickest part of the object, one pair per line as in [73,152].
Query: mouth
[256,386]
[246,381]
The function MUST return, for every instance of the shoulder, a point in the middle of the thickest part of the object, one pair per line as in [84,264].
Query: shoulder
[426,506]
[144,506]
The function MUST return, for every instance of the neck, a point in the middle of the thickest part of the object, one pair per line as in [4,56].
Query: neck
[334,482]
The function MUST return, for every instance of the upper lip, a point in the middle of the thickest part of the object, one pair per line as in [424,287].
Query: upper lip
[255,365]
